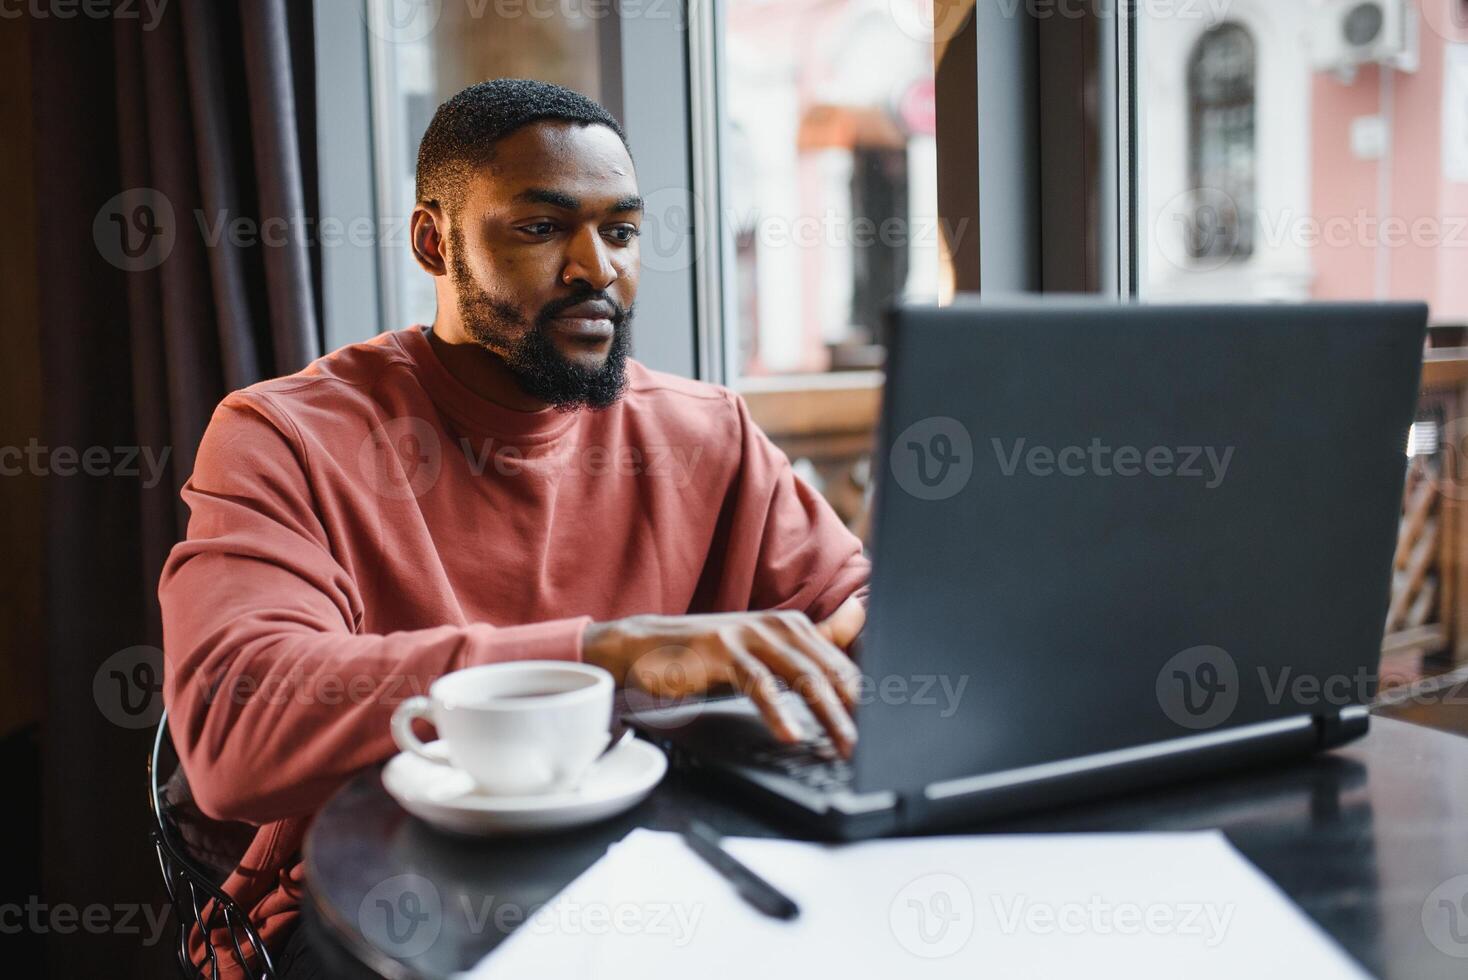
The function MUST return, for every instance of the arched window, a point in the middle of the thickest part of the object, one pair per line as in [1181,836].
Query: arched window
[1221,101]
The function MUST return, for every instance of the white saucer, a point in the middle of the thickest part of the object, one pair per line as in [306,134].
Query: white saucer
[448,799]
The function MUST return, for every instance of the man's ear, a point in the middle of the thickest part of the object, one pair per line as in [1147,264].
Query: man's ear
[429,234]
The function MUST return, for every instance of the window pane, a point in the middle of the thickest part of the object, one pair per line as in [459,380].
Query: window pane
[1318,150]
[831,176]
[1305,149]
[424,53]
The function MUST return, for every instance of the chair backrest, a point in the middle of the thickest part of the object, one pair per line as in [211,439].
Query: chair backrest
[196,898]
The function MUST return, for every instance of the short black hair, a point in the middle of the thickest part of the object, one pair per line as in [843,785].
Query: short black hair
[465,129]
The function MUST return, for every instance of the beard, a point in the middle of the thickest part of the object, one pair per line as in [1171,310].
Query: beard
[530,354]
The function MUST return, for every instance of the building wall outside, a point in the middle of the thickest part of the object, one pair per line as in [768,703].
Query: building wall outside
[1334,222]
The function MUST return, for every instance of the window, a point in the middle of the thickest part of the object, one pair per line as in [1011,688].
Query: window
[420,54]
[827,145]
[1221,144]
[1288,153]
[1318,153]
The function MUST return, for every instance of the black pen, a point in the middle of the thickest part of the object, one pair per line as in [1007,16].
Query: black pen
[704,841]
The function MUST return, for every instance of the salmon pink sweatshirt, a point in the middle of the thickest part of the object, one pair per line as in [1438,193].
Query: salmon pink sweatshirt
[366,525]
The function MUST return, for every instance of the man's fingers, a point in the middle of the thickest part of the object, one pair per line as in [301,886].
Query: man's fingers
[805,676]
[843,625]
[838,667]
[755,679]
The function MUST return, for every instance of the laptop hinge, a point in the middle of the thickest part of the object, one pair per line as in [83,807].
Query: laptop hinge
[1350,722]
[914,808]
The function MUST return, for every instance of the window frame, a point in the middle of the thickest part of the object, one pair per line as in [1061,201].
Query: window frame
[1054,89]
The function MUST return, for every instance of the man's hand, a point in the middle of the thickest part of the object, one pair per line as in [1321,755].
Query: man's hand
[843,625]
[682,655]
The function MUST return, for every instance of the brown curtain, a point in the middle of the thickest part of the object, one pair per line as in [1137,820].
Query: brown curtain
[162,149]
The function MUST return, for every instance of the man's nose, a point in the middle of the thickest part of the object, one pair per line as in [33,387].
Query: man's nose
[589,260]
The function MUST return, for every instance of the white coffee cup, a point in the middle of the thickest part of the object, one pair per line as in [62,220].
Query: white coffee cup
[519,728]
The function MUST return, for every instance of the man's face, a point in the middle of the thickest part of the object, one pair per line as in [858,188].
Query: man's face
[543,258]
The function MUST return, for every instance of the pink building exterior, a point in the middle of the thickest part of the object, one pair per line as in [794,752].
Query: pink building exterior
[1427,234]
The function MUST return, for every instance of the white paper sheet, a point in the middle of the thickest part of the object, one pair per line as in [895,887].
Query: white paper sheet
[1173,906]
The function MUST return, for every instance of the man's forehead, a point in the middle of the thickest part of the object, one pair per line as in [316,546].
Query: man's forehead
[586,162]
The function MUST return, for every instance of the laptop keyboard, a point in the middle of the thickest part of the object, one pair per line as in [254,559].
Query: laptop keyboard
[814,764]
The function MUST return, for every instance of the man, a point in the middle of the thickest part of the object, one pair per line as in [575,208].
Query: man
[504,485]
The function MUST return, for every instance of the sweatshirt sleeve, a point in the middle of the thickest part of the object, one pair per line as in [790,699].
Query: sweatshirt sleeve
[785,545]
[274,695]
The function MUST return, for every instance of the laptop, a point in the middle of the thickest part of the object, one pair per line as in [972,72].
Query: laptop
[1113,545]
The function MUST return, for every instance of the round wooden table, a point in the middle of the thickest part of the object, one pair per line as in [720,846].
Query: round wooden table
[1359,838]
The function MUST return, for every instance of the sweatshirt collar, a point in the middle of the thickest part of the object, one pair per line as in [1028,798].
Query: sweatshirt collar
[473,410]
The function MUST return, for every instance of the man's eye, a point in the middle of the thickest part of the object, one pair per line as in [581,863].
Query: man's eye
[623,234]
[539,228]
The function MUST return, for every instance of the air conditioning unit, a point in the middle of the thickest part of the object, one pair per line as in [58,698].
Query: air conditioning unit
[1346,34]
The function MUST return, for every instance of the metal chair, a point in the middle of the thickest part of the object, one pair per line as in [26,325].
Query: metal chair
[191,887]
